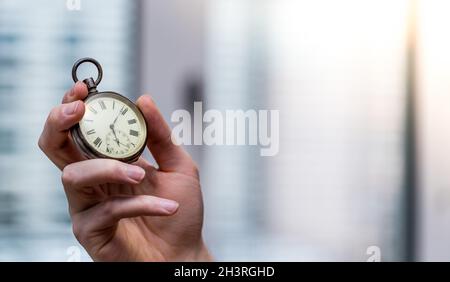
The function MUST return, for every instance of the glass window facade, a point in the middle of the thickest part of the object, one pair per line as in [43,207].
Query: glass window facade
[39,42]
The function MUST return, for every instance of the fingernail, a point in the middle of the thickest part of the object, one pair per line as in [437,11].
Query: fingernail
[71,108]
[136,173]
[169,206]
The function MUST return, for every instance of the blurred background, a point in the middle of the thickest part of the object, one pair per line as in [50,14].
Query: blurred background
[362,87]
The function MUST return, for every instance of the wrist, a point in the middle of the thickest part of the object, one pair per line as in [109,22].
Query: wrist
[198,253]
[203,254]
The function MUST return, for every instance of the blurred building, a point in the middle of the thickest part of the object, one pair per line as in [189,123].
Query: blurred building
[434,130]
[336,73]
[39,42]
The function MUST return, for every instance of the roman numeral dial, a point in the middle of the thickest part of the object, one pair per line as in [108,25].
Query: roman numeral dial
[112,126]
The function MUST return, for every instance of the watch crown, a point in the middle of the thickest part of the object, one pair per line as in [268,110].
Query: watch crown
[90,83]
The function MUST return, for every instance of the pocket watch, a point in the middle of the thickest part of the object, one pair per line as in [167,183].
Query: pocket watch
[112,127]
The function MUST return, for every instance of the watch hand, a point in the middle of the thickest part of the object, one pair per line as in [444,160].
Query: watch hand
[128,146]
[118,142]
[118,115]
[112,128]
[115,120]
[114,132]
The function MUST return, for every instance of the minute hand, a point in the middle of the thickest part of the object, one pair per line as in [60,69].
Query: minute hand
[118,115]
[115,120]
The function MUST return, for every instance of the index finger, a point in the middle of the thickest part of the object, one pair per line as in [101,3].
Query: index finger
[54,140]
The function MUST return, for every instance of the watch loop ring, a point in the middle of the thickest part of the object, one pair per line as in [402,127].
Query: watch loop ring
[87,60]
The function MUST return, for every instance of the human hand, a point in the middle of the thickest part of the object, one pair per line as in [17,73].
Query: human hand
[128,212]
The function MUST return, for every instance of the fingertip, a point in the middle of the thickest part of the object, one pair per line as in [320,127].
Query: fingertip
[145,101]
[135,173]
[169,206]
[80,90]
[150,111]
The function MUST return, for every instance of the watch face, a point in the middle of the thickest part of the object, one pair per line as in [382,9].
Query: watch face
[113,126]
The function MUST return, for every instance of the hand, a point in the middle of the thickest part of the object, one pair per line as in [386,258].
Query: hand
[128,212]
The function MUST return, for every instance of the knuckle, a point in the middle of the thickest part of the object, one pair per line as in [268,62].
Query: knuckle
[69,93]
[42,143]
[109,208]
[144,201]
[116,169]
[53,121]
[53,116]
[194,169]
[68,176]
[78,230]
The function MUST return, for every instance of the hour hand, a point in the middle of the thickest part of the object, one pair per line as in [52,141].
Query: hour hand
[115,136]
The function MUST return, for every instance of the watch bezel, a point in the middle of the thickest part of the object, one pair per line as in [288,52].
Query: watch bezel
[89,151]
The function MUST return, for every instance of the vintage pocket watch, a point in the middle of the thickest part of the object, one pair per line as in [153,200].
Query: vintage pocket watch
[112,127]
